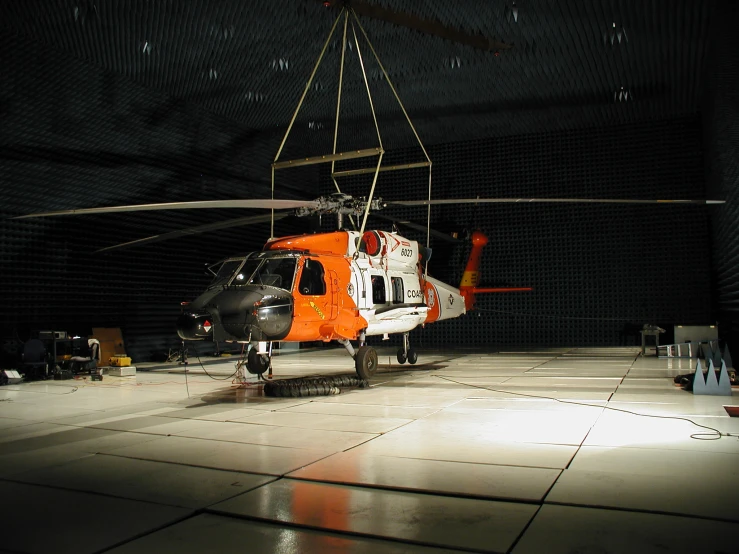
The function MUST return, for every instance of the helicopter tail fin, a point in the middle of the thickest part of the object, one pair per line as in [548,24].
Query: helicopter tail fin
[471,277]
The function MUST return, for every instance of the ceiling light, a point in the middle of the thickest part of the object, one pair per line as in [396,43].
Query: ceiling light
[281,64]
[615,35]
[512,12]
[622,95]
[83,9]
[252,96]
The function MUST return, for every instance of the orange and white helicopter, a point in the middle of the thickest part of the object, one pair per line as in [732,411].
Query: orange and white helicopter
[339,286]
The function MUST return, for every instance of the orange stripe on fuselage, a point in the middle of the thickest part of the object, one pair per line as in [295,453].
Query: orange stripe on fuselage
[329,316]
[432,301]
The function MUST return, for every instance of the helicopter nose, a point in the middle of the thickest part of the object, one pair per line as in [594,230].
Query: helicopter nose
[195,326]
[270,318]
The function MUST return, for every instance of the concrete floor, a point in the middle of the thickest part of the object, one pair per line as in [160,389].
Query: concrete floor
[479,452]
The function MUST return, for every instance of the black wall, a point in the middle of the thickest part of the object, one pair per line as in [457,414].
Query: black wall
[721,120]
[73,135]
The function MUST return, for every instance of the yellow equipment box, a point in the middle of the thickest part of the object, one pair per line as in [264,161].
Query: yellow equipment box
[120,361]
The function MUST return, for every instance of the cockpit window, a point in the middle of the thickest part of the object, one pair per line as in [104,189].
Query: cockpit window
[225,272]
[243,275]
[312,282]
[270,271]
[274,272]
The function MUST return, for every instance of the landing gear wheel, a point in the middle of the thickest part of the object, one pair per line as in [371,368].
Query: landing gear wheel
[366,362]
[401,356]
[256,363]
[412,356]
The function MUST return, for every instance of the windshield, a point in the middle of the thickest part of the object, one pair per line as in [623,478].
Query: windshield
[271,272]
[244,274]
[225,272]
[275,272]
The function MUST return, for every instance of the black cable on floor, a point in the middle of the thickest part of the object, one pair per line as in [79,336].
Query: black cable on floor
[714,435]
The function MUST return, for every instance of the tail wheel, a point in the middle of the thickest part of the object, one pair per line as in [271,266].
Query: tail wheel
[256,363]
[366,362]
[401,356]
[412,356]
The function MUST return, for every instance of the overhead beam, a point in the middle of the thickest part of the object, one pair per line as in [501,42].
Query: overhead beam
[365,170]
[352,154]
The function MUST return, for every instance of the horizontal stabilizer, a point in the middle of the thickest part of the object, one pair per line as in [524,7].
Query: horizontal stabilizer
[501,289]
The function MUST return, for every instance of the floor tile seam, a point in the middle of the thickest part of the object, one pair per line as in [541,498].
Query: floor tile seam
[525,528]
[378,433]
[148,532]
[277,476]
[423,492]
[465,461]
[294,427]
[221,441]
[94,493]
[119,497]
[159,436]
[311,413]
[542,363]
[178,434]
[167,462]
[623,379]
[29,391]
[343,532]
[26,421]
[639,511]
[577,451]
[342,415]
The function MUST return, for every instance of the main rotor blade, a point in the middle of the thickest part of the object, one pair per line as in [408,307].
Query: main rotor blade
[265,203]
[416,226]
[250,220]
[543,200]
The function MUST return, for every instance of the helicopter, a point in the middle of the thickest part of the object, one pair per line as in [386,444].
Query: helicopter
[337,286]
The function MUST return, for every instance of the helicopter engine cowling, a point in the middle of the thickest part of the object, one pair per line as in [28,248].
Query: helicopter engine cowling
[390,246]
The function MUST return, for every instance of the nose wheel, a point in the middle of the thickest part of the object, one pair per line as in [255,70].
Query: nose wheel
[406,353]
[257,363]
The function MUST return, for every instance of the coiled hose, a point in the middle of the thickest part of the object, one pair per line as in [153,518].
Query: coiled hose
[312,386]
